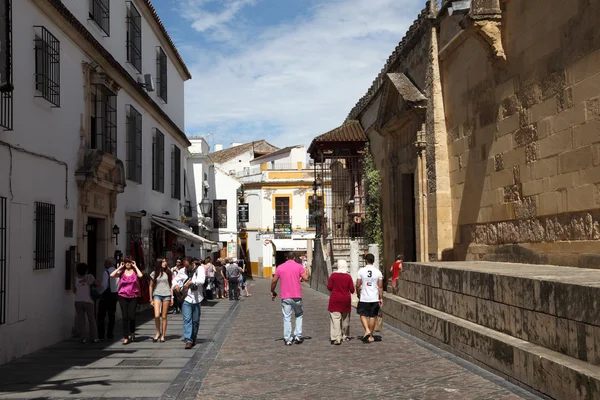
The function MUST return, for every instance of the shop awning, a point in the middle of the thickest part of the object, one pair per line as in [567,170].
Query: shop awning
[180,229]
[289,244]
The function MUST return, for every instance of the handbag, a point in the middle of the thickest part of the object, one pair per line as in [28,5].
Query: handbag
[94,294]
[379,322]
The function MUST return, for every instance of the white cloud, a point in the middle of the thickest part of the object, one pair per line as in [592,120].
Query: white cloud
[296,80]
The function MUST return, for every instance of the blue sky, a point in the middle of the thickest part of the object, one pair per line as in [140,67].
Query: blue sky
[281,70]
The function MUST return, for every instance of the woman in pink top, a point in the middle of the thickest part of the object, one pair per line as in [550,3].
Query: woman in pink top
[129,289]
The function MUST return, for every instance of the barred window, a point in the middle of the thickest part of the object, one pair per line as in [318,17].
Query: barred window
[134,37]
[134,144]
[47,66]
[3,257]
[176,173]
[44,235]
[104,121]
[158,161]
[134,229]
[6,87]
[161,74]
[282,210]
[220,213]
[100,14]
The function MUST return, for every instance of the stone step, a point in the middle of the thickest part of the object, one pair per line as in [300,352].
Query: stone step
[529,365]
[554,307]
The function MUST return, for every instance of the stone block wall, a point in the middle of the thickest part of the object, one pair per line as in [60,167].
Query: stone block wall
[524,135]
[561,316]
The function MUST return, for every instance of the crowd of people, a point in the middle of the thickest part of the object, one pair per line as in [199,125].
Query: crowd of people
[177,289]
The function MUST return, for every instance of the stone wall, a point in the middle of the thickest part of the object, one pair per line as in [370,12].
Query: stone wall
[524,134]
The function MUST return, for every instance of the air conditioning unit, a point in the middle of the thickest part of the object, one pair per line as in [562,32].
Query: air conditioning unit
[146,81]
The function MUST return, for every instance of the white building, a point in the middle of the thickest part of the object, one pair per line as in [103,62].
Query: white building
[86,151]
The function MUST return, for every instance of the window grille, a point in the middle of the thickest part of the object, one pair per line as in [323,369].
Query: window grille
[158,161]
[100,14]
[161,74]
[134,37]
[134,229]
[104,121]
[313,205]
[134,145]
[3,256]
[176,173]
[6,87]
[220,213]
[44,235]
[47,65]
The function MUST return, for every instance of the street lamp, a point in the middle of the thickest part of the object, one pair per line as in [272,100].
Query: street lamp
[116,231]
[205,207]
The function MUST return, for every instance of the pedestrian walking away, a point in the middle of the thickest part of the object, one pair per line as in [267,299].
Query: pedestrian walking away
[369,286]
[107,305]
[161,295]
[340,303]
[220,273]
[188,285]
[290,273]
[233,275]
[86,293]
[129,290]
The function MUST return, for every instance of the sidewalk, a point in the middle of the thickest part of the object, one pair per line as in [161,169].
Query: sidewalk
[142,369]
[254,363]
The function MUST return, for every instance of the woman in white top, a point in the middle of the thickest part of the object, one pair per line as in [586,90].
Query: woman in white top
[161,294]
[84,304]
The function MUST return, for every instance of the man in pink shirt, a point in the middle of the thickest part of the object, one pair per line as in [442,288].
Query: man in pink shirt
[290,273]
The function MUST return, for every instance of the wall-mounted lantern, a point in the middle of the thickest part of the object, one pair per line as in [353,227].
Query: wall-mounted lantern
[89,227]
[116,231]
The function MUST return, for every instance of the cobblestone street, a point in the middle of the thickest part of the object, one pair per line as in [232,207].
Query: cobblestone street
[254,363]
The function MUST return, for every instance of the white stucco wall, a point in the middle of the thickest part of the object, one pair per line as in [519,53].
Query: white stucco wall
[116,45]
[36,299]
[226,188]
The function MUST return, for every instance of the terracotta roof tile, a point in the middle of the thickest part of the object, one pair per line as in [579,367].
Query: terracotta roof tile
[349,132]
[259,147]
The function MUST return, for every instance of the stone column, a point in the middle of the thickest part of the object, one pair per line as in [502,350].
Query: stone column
[438,174]
[421,198]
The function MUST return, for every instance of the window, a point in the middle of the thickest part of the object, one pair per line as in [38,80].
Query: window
[104,121]
[161,74]
[158,161]
[100,14]
[6,88]
[44,235]
[3,255]
[184,184]
[282,210]
[176,173]
[220,213]
[134,229]
[134,37]
[134,145]
[47,65]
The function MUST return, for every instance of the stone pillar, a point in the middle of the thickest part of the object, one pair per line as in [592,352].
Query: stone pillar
[438,171]
[374,249]
[354,259]
[421,199]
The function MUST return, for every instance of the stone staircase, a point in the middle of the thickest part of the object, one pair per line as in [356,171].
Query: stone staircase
[535,325]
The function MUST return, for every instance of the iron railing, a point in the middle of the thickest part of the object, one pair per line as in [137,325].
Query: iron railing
[176,173]
[44,235]
[161,74]
[134,145]
[100,14]
[134,37]
[3,258]
[47,65]
[6,86]
[158,161]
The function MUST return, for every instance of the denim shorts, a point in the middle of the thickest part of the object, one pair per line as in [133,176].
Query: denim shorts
[161,298]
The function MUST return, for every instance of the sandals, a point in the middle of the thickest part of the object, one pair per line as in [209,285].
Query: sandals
[365,339]
[126,342]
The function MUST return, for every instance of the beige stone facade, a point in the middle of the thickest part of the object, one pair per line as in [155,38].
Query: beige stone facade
[486,127]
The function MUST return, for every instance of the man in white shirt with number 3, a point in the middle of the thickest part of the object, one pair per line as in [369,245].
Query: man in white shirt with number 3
[369,286]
